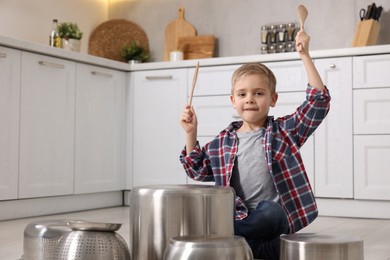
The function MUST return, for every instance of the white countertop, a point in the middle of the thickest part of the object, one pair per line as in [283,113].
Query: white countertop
[94,60]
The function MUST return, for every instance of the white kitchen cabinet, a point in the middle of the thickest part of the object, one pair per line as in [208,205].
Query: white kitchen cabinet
[372,178]
[46,126]
[159,98]
[100,129]
[371,71]
[333,138]
[9,118]
[290,75]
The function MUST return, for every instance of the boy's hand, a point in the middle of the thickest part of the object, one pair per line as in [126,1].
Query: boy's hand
[302,41]
[188,119]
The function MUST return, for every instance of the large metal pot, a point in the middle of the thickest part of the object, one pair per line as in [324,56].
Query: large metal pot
[159,213]
[208,247]
[320,247]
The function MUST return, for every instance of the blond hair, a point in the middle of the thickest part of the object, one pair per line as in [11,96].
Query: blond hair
[254,69]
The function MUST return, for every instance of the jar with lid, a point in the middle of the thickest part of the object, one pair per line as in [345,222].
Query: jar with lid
[272,33]
[282,33]
[290,31]
[272,48]
[265,34]
[264,49]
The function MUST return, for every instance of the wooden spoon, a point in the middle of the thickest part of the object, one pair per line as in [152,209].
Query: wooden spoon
[302,12]
[194,83]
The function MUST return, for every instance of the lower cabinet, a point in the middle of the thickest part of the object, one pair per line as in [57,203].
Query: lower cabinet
[46,126]
[9,122]
[372,178]
[333,138]
[100,129]
[159,98]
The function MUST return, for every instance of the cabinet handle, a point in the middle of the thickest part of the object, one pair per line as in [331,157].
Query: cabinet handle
[101,74]
[158,77]
[3,55]
[53,65]
[332,66]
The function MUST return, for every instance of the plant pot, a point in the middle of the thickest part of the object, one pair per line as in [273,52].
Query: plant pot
[71,44]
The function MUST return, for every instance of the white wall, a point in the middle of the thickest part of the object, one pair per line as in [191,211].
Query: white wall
[31,20]
[237,23]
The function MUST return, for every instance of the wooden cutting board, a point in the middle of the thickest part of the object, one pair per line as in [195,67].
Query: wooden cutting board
[174,30]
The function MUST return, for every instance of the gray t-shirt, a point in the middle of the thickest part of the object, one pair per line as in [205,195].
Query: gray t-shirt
[251,179]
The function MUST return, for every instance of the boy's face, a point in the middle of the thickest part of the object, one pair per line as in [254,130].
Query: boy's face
[252,99]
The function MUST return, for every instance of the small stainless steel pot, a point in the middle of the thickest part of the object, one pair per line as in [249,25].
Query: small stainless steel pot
[158,213]
[320,247]
[208,247]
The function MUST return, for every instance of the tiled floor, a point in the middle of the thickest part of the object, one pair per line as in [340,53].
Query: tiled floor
[374,232]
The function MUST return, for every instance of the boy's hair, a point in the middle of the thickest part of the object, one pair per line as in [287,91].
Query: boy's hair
[254,69]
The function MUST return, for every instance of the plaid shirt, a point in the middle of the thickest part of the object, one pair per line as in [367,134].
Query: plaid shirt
[283,139]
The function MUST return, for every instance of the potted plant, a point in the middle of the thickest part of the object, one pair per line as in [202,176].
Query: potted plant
[134,53]
[70,35]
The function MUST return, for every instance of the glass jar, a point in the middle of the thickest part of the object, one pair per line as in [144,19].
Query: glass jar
[282,33]
[290,31]
[264,34]
[272,33]
[264,49]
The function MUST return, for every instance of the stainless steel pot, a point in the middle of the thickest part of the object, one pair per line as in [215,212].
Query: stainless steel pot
[158,213]
[320,247]
[208,247]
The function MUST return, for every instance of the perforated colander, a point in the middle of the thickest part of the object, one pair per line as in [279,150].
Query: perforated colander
[92,245]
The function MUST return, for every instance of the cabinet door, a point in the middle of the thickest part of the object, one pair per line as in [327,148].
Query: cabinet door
[100,142]
[46,126]
[290,75]
[333,138]
[372,178]
[371,71]
[9,118]
[371,112]
[159,99]
[287,104]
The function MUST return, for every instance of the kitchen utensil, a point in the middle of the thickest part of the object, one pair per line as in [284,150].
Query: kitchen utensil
[378,13]
[160,212]
[193,84]
[174,30]
[91,245]
[197,47]
[95,226]
[108,39]
[41,237]
[321,247]
[302,13]
[208,247]
[362,14]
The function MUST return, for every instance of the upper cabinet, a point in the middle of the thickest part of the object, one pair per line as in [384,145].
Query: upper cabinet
[158,100]
[9,122]
[46,126]
[100,129]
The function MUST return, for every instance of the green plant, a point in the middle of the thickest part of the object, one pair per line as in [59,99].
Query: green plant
[135,52]
[69,31]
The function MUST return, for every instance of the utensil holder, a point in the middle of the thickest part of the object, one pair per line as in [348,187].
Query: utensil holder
[366,33]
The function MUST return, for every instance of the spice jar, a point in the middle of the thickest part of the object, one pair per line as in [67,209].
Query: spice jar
[281,33]
[290,31]
[264,34]
[272,33]
[264,49]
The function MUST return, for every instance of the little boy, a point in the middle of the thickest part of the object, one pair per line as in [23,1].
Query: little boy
[259,156]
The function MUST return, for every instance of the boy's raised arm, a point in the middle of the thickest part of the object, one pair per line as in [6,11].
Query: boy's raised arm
[302,41]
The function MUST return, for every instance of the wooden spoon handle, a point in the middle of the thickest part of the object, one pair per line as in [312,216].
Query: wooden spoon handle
[194,83]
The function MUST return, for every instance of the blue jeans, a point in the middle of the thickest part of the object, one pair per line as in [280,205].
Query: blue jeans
[262,229]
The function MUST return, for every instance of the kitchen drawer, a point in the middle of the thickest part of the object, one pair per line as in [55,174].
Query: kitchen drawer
[371,71]
[371,111]
[214,114]
[372,178]
[212,80]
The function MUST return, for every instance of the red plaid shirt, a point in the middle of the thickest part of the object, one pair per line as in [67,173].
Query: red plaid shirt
[283,139]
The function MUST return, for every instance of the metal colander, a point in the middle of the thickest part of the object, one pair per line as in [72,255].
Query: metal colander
[41,238]
[92,245]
